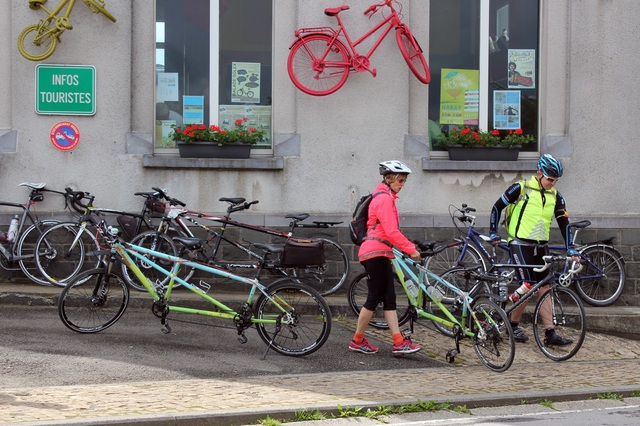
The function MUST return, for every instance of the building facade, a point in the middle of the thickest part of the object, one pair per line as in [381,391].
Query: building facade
[179,62]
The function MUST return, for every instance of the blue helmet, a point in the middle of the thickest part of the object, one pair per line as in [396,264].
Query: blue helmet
[550,166]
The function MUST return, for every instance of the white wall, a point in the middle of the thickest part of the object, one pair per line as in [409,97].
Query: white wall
[588,81]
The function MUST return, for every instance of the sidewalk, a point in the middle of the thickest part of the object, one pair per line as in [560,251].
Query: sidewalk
[605,364]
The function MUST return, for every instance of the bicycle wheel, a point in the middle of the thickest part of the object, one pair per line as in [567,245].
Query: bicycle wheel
[153,241]
[37,42]
[493,338]
[412,54]
[452,257]
[328,278]
[318,66]
[357,295]
[302,318]
[98,6]
[601,280]
[562,308]
[93,301]
[25,251]
[57,259]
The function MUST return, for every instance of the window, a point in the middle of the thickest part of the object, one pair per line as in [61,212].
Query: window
[492,47]
[213,65]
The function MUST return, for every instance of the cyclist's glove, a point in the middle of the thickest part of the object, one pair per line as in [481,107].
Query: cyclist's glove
[494,238]
[573,252]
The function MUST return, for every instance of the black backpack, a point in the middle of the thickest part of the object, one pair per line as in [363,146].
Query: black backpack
[358,226]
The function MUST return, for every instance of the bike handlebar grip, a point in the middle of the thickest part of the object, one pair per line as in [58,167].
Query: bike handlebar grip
[371,9]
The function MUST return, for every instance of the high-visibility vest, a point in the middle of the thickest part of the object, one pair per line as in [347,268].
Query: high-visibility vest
[529,218]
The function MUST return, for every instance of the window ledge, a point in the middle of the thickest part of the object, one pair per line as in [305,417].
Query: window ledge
[175,162]
[445,164]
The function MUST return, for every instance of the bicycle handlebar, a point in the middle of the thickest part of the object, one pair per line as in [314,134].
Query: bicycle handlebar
[374,7]
[240,207]
[162,193]
[74,198]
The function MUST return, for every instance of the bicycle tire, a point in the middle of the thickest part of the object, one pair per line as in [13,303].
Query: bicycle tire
[568,317]
[449,258]
[93,301]
[26,247]
[151,240]
[56,260]
[412,54]
[38,50]
[494,344]
[306,324]
[92,4]
[357,295]
[607,267]
[303,64]
[328,278]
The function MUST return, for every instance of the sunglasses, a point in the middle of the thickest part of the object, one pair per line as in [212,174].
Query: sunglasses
[550,179]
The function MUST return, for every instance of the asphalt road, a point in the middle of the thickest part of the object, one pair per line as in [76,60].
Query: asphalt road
[36,349]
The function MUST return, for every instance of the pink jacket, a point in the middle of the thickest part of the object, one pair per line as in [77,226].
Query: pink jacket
[384,215]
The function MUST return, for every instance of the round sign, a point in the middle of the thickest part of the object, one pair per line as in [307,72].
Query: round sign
[65,136]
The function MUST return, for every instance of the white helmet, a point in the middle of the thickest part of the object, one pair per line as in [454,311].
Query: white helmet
[393,166]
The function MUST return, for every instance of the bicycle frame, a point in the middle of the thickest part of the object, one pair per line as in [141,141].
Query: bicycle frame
[477,238]
[401,267]
[126,251]
[391,21]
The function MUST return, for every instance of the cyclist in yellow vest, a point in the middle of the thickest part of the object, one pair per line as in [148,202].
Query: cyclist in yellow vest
[532,205]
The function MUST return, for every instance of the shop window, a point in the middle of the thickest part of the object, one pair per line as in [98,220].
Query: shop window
[213,65]
[492,46]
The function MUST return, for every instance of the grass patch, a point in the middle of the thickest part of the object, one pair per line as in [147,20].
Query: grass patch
[377,413]
[609,395]
[546,403]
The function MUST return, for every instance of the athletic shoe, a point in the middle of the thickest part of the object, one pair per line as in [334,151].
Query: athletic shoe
[556,340]
[406,347]
[518,335]
[363,347]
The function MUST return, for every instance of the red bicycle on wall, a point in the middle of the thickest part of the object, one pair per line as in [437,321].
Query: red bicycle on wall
[320,62]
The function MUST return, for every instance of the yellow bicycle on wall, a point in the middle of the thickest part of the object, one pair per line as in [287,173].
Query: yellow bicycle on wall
[38,41]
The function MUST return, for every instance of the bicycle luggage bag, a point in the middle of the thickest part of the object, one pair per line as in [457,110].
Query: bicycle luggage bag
[303,252]
[127,226]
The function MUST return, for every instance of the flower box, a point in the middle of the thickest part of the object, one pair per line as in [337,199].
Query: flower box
[485,153]
[213,150]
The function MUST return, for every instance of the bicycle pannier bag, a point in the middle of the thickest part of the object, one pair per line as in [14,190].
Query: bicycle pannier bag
[303,252]
[155,205]
[358,226]
[127,226]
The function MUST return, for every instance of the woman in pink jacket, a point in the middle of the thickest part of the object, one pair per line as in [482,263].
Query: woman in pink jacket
[375,255]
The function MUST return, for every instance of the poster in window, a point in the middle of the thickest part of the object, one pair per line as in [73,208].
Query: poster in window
[167,87]
[193,109]
[522,68]
[259,117]
[459,96]
[245,82]
[506,109]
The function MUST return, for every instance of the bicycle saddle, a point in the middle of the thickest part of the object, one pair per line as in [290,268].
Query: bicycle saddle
[333,11]
[581,224]
[233,200]
[270,248]
[39,185]
[298,217]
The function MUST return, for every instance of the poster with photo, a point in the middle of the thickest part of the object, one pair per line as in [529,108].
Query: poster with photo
[193,109]
[259,117]
[245,82]
[506,110]
[459,96]
[521,69]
